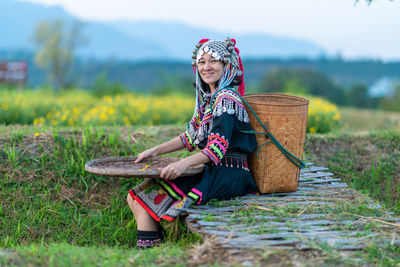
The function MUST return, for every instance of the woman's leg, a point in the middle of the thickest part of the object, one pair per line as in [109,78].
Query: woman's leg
[143,219]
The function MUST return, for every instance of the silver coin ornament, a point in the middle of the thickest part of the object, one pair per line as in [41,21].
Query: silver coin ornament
[218,49]
[200,136]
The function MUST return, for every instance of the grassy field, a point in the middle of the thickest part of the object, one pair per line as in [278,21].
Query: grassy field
[52,213]
[369,162]
[364,120]
[365,152]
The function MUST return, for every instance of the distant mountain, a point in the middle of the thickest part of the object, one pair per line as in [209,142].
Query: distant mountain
[18,19]
[125,40]
[180,40]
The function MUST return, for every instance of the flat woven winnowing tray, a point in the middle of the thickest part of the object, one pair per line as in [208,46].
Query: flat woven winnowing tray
[126,167]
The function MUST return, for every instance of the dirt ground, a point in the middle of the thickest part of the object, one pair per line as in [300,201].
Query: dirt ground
[210,252]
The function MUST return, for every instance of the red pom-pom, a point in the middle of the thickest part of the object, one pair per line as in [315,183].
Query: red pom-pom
[202,41]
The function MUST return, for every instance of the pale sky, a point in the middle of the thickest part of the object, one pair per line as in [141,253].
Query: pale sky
[356,30]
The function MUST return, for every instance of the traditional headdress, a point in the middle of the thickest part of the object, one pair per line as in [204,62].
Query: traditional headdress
[227,53]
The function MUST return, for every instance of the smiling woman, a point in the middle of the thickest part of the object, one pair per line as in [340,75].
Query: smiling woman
[216,129]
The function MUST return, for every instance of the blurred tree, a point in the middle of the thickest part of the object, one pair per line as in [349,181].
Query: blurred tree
[391,103]
[167,84]
[103,86]
[56,48]
[293,87]
[370,1]
[302,81]
[357,96]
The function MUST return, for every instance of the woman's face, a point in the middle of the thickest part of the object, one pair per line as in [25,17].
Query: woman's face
[210,70]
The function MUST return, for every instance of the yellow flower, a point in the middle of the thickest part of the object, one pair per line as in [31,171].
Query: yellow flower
[126,121]
[103,116]
[313,130]
[337,116]
[36,134]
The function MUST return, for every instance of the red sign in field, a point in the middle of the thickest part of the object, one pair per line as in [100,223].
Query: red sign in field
[13,72]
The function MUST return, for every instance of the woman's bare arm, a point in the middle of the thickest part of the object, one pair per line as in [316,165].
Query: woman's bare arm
[176,169]
[167,147]
[196,159]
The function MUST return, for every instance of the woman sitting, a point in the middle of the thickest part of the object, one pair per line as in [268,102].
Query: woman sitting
[215,129]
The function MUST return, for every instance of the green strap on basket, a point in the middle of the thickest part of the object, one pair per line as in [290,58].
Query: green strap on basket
[295,160]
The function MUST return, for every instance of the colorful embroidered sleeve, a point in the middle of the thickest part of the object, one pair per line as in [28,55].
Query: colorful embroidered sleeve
[187,137]
[226,110]
[217,145]
[187,141]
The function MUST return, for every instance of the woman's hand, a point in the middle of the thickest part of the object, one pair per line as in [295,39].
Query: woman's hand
[174,170]
[146,154]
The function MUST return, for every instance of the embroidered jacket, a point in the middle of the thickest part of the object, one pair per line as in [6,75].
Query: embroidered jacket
[216,129]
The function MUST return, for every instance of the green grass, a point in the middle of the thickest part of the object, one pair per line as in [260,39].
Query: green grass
[54,213]
[369,162]
[364,120]
[63,254]
[50,204]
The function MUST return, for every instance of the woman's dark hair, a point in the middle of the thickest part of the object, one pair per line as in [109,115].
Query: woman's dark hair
[205,86]
[238,79]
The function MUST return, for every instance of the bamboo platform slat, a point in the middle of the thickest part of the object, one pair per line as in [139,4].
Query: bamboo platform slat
[301,229]
[312,169]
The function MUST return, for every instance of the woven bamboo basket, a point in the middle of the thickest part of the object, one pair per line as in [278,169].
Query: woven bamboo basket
[285,117]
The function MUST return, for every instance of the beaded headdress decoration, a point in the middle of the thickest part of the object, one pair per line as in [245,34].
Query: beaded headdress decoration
[227,53]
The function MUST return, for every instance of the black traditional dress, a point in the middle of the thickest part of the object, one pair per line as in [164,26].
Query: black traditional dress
[216,130]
